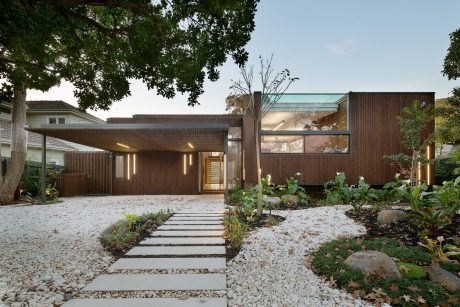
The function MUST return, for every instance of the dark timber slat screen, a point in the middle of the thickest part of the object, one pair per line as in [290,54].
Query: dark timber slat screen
[374,133]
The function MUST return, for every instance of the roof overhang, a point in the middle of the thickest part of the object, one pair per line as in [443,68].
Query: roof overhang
[141,137]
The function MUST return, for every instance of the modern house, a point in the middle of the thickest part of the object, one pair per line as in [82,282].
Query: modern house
[315,134]
[43,113]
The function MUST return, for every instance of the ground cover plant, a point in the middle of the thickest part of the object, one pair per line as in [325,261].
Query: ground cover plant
[119,237]
[409,290]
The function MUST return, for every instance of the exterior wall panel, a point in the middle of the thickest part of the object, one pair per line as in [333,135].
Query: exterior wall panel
[374,133]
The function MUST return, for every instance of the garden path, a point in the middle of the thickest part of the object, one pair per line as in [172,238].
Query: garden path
[182,263]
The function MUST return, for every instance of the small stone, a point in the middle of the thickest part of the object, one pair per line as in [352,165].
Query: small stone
[390,216]
[290,199]
[272,200]
[444,278]
[372,262]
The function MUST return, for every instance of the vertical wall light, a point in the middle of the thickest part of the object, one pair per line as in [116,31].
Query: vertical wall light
[419,173]
[428,166]
[190,159]
[134,164]
[185,164]
[129,170]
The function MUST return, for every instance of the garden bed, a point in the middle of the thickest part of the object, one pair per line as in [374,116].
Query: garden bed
[121,236]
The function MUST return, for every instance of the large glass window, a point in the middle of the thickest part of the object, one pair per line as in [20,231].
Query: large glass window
[319,124]
[307,112]
[119,167]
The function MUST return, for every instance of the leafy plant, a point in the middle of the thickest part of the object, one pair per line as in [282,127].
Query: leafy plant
[398,190]
[292,187]
[363,193]
[337,190]
[131,219]
[244,200]
[436,248]
[236,228]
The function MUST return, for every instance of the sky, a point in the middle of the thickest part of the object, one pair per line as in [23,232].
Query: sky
[332,46]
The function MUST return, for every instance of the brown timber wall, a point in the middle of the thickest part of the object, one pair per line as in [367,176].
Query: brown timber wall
[374,133]
[159,173]
[96,165]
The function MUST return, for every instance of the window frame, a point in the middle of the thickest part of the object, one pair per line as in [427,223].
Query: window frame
[313,132]
[57,118]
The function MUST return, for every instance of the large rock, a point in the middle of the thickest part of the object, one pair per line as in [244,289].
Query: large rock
[290,199]
[444,278]
[372,262]
[272,200]
[390,216]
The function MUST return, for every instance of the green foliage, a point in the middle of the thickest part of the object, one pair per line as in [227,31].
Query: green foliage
[236,229]
[452,59]
[446,168]
[31,181]
[172,46]
[292,187]
[337,190]
[410,270]
[244,200]
[329,261]
[123,234]
[439,250]
[398,190]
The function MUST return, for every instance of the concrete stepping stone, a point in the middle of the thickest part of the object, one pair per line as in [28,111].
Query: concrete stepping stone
[183,241]
[191,227]
[169,263]
[176,250]
[196,218]
[193,223]
[157,282]
[188,233]
[148,302]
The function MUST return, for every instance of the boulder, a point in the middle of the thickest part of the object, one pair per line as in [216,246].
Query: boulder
[444,278]
[390,216]
[290,199]
[272,200]
[373,262]
[410,270]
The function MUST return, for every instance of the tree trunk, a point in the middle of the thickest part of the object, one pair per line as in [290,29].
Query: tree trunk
[18,147]
[259,173]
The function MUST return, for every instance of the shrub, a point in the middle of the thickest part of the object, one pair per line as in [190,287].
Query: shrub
[329,261]
[337,190]
[124,234]
[292,187]
[236,229]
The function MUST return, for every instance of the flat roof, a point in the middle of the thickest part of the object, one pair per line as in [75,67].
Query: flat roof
[141,137]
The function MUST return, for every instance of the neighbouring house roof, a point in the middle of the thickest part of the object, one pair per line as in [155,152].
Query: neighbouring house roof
[45,106]
[34,139]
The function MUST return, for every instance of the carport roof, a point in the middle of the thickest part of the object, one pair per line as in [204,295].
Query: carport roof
[141,137]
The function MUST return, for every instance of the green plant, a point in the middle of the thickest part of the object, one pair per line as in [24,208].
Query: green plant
[363,193]
[398,190]
[410,270]
[244,200]
[355,207]
[436,248]
[236,228]
[292,187]
[337,190]
[131,219]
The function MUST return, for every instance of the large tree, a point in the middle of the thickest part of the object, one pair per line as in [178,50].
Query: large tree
[100,45]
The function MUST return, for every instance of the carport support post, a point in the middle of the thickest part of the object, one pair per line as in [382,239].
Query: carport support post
[44,169]
[226,168]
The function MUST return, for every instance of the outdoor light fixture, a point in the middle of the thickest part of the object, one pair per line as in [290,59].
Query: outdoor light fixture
[419,172]
[134,164]
[185,164]
[123,145]
[129,175]
[428,166]
[190,145]
[190,159]
[278,126]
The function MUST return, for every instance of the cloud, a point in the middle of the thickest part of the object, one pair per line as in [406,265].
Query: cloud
[344,47]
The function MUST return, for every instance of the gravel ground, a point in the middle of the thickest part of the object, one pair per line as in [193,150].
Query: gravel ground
[271,269]
[50,251]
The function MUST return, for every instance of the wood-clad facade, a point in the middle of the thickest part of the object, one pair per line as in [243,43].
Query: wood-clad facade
[372,133]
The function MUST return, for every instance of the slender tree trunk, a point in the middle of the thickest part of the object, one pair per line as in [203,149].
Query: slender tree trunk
[18,147]
[259,173]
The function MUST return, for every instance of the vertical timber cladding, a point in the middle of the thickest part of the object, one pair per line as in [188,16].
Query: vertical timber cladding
[374,133]
[95,165]
[159,172]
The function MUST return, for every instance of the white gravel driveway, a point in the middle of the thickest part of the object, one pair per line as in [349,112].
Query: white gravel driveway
[47,251]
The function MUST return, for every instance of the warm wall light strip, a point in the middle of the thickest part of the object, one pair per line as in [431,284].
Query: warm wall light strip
[190,159]
[185,164]
[123,145]
[129,173]
[428,166]
[278,126]
[134,164]
[419,172]
[190,145]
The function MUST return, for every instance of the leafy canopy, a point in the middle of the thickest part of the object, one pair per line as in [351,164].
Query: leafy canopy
[452,59]
[98,46]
